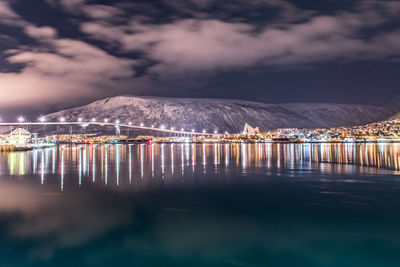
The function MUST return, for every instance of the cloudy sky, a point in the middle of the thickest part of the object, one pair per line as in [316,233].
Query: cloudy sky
[61,53]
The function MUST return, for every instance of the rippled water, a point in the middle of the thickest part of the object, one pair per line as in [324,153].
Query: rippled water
[201,205]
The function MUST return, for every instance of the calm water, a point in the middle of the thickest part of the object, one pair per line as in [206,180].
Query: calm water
[201,205]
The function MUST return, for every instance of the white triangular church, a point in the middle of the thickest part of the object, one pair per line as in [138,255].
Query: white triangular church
[248,130]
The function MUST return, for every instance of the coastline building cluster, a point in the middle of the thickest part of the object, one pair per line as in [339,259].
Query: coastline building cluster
[385,131]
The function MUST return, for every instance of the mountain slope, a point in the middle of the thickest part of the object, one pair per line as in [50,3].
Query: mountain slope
[221,114]
[331,115]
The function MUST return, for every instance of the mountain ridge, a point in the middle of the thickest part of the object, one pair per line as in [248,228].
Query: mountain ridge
[223,114]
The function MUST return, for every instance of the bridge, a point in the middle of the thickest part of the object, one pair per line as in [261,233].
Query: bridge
[118,125]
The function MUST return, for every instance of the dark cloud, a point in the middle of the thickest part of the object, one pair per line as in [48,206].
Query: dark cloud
[127,47]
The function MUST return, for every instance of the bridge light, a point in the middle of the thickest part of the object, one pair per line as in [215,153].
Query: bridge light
[20,119]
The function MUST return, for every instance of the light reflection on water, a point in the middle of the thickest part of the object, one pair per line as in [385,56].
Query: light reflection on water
[125,164]
[293,205]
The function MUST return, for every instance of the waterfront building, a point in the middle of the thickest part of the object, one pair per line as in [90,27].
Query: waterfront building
[19,136]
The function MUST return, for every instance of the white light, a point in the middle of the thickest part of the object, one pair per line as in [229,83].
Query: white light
[94,119]
[172,128]
[162,127]
[79,119]
[141,125]
[130,123]
[21,119]
[226,133]
[105,120]
[192,130]
[215,132]
[204,131]
[42,119]
[182,129]
[152,126]
[117,121]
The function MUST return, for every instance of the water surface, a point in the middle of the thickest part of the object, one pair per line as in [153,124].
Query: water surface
[201,205]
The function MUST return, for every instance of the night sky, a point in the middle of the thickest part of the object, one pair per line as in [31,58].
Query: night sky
[62,53]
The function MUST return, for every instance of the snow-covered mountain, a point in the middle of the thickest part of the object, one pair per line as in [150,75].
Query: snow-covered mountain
[222,114]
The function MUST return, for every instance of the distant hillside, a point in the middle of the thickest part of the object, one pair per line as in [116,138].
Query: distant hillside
[331,115]
[223,114]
